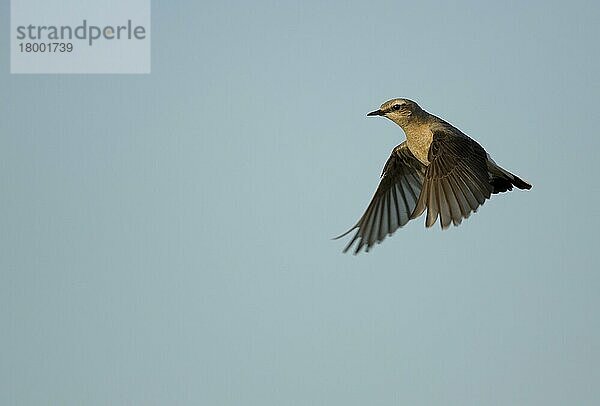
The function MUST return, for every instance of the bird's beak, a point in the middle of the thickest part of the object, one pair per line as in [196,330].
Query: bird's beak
[376,113]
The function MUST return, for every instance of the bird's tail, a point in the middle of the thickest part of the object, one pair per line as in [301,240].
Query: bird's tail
[502,180]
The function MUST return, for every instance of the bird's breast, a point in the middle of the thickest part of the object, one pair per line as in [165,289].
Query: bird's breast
[419,140]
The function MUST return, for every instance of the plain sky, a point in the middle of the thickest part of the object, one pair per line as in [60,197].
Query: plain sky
[165,238]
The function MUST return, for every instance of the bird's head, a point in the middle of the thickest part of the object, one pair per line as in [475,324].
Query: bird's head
[400,111]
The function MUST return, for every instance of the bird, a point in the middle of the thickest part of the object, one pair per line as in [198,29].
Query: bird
[437,168]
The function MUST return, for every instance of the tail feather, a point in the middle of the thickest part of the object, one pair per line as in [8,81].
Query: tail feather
[502,180]
[520,183]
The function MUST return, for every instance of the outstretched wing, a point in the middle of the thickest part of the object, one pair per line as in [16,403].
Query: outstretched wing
[394,200]
[456,181]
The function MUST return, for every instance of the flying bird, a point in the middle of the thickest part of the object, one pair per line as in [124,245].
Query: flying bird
[438,168]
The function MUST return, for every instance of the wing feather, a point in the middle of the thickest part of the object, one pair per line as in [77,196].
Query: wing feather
[451,187]
[456,181]
[393,202]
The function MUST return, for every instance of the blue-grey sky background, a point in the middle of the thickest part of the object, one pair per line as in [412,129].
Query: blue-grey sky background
[165,238]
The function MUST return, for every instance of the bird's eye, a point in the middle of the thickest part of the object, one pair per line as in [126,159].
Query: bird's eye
[396,107]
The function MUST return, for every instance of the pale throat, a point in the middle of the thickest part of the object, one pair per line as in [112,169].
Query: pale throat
[418,138]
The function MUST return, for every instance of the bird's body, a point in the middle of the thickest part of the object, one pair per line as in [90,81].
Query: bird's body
[438,168]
